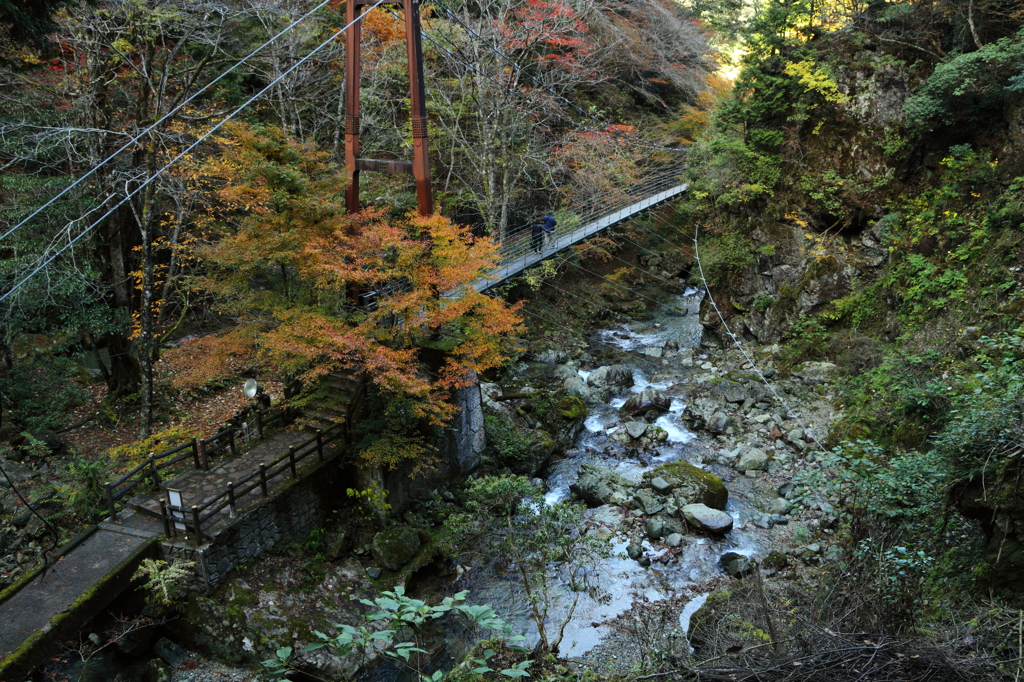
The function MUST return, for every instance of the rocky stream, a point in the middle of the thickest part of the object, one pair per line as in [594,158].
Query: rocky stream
[685,459]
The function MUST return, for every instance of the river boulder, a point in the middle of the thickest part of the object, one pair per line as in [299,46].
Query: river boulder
[597,486]
[753,459]
[636,429]
[703,517]
[689,484]
[736,565]
[611,376]
[641,403]
[576,386]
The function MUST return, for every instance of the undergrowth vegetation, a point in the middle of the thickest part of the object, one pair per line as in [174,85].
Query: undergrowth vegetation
[861,201]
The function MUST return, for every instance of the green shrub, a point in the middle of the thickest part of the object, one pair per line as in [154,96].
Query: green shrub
[83,487]
[507,442]
[968,88]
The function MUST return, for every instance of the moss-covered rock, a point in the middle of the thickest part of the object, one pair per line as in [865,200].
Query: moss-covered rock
[776,560]
[692,485]
[394,547]
[571,407]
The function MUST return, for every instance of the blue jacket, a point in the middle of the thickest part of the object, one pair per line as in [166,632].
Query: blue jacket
[549,223]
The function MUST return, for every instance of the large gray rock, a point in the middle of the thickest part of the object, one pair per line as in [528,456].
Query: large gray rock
[660,485]
[488,393]
[611,376]
[636,429]
[552,356]
[17,472]
[720,423]
[812,373]
[703,517]
[575,385]
[690,484]
[736,565]
[597,486]
[753,459]
[644,401]
[173,654]
[395,547]
[655,528]
[647,503]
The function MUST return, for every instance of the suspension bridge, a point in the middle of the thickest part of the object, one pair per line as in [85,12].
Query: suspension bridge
[578,223]
[24,640]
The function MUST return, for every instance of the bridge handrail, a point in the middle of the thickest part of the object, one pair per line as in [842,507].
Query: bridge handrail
[517,239]
[198,452]
[196,515]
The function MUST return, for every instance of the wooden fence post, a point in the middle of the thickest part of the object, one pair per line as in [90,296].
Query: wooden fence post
[152,470]
[291,461]
[204,460]
[110,501]
[195,454]
[231,498]
[320,444]
[259,423]
[164,516]
[195,520]
[263,479]
[231,443]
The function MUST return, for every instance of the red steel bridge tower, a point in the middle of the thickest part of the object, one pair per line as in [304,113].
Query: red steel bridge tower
[419,167]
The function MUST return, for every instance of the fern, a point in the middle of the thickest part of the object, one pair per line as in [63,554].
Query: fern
[165,581]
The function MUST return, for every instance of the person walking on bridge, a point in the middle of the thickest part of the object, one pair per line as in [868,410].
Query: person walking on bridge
[549,228]
[537,235]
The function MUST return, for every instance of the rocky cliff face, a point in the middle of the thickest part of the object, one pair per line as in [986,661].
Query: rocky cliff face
[866,232]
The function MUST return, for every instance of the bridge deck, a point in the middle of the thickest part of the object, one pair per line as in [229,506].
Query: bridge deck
[516,263]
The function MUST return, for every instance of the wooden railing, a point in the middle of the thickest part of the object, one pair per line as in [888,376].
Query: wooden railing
[198,450]
[195,516]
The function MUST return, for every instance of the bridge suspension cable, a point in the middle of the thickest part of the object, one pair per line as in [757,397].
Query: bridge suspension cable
[179,156]
[163,118]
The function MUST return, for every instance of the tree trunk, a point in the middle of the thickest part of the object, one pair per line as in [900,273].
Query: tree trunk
[146,303]
[124,368]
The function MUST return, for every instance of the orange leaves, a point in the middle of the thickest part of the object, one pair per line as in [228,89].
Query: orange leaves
[206,361]
[382,27]
[285,252]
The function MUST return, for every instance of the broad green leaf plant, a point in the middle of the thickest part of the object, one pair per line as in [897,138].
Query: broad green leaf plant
[394,616]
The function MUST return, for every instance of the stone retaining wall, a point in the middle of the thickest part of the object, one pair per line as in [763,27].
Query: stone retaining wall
[458,454]
[289,513]
[302,505]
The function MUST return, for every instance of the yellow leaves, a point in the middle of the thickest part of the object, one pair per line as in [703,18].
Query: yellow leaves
[800,222]
[816,79]
[122,46]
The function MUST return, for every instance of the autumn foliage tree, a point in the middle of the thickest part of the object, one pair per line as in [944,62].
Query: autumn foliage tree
[280,251]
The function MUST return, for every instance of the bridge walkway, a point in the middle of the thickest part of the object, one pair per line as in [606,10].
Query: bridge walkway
[518,255]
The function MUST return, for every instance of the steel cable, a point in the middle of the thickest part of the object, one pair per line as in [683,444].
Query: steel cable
[181,155]
[163,118]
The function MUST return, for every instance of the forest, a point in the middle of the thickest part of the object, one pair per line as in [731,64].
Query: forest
[848,254]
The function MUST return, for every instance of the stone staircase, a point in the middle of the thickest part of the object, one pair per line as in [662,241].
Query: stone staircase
[339,398]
